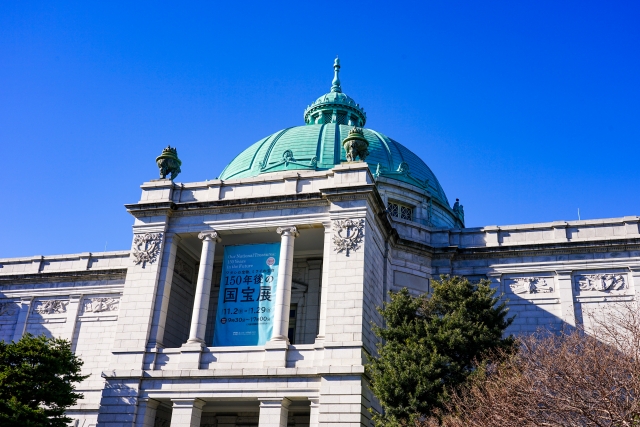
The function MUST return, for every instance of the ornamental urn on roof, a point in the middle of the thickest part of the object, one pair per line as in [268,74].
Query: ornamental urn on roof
[169,163]
[356,145]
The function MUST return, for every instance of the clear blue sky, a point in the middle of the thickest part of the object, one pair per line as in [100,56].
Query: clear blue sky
[525,110]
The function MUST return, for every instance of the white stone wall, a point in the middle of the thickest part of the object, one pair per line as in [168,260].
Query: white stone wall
[93,340]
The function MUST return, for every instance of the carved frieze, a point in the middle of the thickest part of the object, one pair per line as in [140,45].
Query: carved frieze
[100,304]
[530,285]
[607,282]
[348,235]
[8,308]
[146,248]
[52,306]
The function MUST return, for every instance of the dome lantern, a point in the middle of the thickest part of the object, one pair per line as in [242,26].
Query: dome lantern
[335,106]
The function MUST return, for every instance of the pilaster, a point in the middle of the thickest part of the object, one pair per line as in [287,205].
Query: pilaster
[314,414]
[139,295]
[565,292]
[274,412]
[23,315]
[163,295]
[146,415]
[186,412]
[73,308]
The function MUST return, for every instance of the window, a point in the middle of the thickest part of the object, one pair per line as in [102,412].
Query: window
[397,210]
[292,323]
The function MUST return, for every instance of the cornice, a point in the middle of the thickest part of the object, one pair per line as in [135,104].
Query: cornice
[75,276]
[455,253]
[224,206]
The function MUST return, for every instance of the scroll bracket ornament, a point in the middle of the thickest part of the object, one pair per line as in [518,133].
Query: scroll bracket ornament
[209,235]
[348,235]
[146,248]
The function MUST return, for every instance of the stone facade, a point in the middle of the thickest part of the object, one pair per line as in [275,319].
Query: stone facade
[143,320]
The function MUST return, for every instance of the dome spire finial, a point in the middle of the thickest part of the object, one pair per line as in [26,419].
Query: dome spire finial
[335,84]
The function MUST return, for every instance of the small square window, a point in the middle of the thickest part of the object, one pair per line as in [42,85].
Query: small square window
[405,212]
[397,210]
[393,209]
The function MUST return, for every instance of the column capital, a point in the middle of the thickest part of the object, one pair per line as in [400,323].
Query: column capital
[288,231]
[188,402]
[209,235]
[274,402]
[151,403]
[565,273]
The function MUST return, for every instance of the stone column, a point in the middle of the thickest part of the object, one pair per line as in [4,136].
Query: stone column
[161,305]
[274,412]
[146,416]
[23,316]
[324,285]
[186,412]
[314,414]
[283,289]
[564,283]
[192,350]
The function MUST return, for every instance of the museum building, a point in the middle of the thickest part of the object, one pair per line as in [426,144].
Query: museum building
[247,300]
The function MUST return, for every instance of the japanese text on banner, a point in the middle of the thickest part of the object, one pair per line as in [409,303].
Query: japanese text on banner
[247,295]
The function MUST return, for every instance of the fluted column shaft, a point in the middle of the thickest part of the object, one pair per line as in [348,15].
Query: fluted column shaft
[203,287]
[283,289]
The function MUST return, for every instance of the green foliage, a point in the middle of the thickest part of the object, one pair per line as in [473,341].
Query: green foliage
[430,343]
[36,382]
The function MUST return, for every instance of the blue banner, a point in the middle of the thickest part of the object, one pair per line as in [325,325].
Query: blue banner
[247,295]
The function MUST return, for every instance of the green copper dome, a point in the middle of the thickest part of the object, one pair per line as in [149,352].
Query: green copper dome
[318,146]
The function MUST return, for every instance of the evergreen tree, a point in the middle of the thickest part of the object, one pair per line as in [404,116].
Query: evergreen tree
[430,343]
[37,376]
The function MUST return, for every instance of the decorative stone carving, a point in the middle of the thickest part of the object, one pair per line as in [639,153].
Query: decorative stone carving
[293,230]
[287,159]
[287,156]
[348,235]
[458,209]
[169,163]
[356,145]
[52,306]
[530,285]
[101,304]
[403,168]
[211,235]
[8,309]
[601,282]
[146,248]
